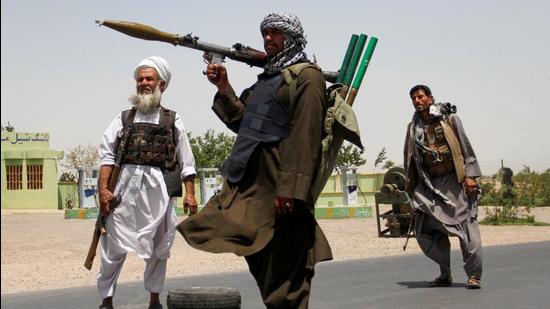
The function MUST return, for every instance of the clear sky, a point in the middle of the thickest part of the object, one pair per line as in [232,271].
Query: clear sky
[64,75]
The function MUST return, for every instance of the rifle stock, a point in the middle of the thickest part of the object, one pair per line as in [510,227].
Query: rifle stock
[95,241]
[100,228]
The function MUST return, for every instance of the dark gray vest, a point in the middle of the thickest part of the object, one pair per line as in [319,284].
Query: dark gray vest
[264,120]
[162,137]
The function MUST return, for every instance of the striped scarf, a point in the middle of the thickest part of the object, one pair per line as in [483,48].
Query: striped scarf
[437,111]
[294,43]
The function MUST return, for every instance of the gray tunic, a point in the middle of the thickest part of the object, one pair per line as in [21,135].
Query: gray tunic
[426,201]
[436,220]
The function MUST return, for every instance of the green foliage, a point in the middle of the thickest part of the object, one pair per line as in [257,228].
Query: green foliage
[529,189]
[210,149]
[527,220]
[388,164]
[67,177]
[349,155]
[532,188]
[8,128]
[512,202]
[381,157]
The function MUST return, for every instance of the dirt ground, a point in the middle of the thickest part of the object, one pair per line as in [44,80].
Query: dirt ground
[41,250]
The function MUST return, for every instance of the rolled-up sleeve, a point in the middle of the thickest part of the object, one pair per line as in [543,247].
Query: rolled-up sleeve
[184,152]
[108,144]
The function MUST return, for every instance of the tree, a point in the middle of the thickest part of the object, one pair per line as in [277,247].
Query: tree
[210,149]
[82,156]
[515,197]
[380,158]
[388,164]
[8,128]
[532,188]
[67,177]
[349,155]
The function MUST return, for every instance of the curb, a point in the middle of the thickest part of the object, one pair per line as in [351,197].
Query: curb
[321,212]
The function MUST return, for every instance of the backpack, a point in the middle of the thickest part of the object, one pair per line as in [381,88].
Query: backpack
[339,124]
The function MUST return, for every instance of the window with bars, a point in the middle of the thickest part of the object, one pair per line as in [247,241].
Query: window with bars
[34,177]
[14,177]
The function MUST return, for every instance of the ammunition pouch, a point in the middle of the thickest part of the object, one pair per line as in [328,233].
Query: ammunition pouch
[153,145]
[147,145]
[440,169]
[172,178]
[441,165]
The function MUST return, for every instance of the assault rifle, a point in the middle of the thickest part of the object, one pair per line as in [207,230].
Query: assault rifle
[213,54]
[100,229]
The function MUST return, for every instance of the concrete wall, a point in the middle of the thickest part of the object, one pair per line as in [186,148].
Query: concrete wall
[368,184]
[68,190]
[29,148]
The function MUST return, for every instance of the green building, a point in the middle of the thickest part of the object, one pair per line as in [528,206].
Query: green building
[29,171]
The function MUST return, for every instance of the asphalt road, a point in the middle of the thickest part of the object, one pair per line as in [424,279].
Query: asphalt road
[515,276]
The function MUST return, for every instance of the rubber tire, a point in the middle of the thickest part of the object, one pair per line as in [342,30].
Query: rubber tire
[204,298]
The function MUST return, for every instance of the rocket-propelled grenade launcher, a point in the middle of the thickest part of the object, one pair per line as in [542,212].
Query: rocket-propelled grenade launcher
[238,52]
[213,53]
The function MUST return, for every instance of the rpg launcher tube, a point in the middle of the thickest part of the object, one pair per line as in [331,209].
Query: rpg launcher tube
[140,31]
[347,58]
[353,64]
[362,70]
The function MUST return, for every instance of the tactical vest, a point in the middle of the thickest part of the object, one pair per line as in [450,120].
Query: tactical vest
[439,162]
[455,150]
[264,120]
[153,145]
[339,123]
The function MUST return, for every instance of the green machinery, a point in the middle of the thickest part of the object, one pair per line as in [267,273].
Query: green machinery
[397,219]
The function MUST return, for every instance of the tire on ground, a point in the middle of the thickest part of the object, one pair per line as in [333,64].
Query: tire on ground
[204,298]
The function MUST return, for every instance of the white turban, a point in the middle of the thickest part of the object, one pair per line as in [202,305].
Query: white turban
[157,63]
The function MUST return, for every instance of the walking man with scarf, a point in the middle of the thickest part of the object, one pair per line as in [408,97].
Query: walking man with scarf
[441,170]
[265,210]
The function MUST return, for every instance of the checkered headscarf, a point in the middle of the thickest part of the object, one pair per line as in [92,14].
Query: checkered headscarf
[294,43]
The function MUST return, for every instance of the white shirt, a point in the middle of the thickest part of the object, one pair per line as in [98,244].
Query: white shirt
[146,209]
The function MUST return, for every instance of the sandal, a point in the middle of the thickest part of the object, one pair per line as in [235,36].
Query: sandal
[473,283]
[441,282]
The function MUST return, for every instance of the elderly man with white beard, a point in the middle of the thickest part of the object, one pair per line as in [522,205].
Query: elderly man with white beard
[155,157]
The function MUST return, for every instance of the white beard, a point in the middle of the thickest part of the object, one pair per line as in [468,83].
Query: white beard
[146,103]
